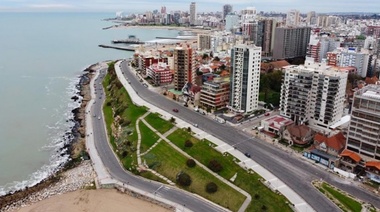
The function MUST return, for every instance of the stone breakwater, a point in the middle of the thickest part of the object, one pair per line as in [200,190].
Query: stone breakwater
[79,177]
[74,143]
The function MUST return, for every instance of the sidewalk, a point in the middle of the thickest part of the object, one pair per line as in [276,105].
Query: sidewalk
[270,180]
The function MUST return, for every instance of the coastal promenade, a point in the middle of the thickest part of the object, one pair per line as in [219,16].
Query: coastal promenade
[270,180]
[110,172]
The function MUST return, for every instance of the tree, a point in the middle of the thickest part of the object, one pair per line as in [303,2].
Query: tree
[205,56]
[211,187]
[172,119]
[189,129]
[188,143]
[190,163]
[183,179]
[215,166]
[216,58]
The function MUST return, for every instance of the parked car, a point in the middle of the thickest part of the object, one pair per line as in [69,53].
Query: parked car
[247,154]
[267,114]
[175,110]
[98,117]
[195,125]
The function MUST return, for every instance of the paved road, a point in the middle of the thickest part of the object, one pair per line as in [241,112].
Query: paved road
[185,200]
[296,173]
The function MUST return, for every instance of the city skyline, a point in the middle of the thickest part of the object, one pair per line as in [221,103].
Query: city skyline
[321,6]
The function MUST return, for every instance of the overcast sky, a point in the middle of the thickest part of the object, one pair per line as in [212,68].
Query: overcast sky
[130,6]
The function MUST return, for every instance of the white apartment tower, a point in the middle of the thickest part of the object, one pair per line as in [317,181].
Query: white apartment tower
[245,78]
[293,18]
[364,131]
[313,93]
[193,13]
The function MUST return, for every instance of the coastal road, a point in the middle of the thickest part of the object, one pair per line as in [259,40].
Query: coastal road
[295,172]
[185,200]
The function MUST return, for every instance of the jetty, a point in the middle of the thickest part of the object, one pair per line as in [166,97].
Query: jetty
[129,41]
[127,48]
[175,38]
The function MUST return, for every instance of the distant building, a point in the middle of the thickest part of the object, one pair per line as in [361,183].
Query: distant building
[291,42]
[231,22]
[160,74]
[364,129]
[311,18]
[245,78]
[293,18]
[193,13]
[184,66]
[313,93]
[344,57]
[204,42]
[227,9]
[248,14]
[215,94]
[350,161]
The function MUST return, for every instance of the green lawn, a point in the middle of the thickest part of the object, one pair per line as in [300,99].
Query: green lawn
[347,201]
[148,137]
[168,162]
[261,195]
[158,123]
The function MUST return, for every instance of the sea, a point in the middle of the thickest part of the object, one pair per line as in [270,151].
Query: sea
[42,56]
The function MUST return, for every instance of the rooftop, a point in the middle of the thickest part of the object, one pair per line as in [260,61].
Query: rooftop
[351,155]
[375,164]
[336,142]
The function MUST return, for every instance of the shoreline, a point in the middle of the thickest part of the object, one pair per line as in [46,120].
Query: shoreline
[74,146]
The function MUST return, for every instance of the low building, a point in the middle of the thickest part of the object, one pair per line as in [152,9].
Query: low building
[215,93]
[372,169]
[160,74]
[300,135]
[275,125]
[332,145]
[349,161]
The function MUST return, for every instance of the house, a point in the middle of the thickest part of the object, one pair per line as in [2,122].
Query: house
[300,135]
[275,125]
[332,145]
[372,169]
[350,161]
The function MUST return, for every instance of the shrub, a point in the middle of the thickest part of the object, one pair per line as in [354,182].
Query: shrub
[124,154]
[211,187]
[172,119]
[188,143]
[215,166]
[190,163]
[189,129]
[183,179]
[264,208]
[257,196]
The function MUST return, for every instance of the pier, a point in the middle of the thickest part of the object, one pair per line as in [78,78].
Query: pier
[129,41]
[127,48]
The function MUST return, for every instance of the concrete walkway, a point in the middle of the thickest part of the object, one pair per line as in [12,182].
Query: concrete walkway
[139,138]
[270,180]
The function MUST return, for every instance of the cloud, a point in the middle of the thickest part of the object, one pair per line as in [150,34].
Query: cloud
[51,6]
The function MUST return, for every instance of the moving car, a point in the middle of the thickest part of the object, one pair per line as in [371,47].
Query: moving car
[175,110]
[98,117]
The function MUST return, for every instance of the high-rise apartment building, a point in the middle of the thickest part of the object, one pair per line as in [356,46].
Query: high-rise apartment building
[293,18]
[231,22]
[291,42]
[245,78]
[184,67]
[227,9]
[344,57]
[261,33]
[204,41]
[163,10]
[311,18]
[248,14]
[364,130]
[313,93]
[193,13]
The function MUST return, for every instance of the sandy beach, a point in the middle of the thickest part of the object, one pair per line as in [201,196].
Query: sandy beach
[93,200]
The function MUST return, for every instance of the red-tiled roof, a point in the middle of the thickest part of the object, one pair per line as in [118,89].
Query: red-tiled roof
[337,141]
[371,80]
[375,164]
[299,131]
[351,155]
[279,64]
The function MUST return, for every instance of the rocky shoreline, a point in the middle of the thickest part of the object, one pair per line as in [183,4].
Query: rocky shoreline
[66,178]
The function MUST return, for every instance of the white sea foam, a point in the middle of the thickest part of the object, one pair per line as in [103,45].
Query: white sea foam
[59,136]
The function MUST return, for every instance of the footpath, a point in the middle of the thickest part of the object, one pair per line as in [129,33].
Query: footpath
[298,203]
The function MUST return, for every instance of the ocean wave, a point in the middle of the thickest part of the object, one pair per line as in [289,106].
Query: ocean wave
[59,136]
